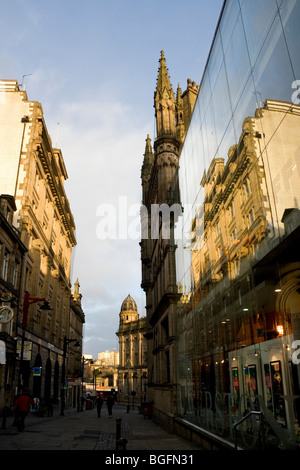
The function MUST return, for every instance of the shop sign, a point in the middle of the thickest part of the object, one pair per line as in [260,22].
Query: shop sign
[37,372]
[26,350]
[6,314]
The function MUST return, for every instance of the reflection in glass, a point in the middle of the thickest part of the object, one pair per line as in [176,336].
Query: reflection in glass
[237,62]
[273,73]
[235,260]
[258,18]
[290,16]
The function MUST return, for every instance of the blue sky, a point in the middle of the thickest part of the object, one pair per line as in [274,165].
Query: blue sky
[93,66]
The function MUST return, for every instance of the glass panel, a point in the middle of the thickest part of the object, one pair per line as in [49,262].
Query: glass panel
[272,72]
[290,15]
[229,18]
[234,329]
[215,61]
[227,141]
[210,133]
[257,18]
[221,104]
[246,106]
[237,63]
[204,94]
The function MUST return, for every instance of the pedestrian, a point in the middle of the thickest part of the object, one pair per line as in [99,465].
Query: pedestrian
[50,406]
[99,403]
[16,418]
[36,406]
[88,403]
[22,408]
[110,403]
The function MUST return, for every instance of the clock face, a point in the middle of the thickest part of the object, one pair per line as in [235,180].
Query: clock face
[6,314]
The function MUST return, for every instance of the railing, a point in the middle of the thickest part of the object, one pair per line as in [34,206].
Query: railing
[261,431]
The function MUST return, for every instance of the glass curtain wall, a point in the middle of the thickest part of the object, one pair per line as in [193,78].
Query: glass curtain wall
[237,261]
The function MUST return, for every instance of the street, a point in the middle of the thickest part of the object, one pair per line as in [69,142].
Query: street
[84,431]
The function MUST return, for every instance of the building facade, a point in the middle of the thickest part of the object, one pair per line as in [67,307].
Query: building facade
[236,317]
[132,370]
[33,173]
[161,191]
[12,255]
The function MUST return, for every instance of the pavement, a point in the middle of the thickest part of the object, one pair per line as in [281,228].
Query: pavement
[85,431]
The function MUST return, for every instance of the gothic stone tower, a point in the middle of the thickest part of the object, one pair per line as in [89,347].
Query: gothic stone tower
[160,189]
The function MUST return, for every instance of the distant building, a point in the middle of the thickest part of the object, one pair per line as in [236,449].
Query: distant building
[109,358]
[132,371]
[101,374]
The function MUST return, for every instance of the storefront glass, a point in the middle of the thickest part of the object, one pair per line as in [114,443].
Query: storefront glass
[237,261]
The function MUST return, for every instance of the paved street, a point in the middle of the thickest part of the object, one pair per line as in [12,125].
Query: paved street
[84,431]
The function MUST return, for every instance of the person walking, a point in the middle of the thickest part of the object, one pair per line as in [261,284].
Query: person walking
[50,406]
[22,408]
[110,403]
[99,403]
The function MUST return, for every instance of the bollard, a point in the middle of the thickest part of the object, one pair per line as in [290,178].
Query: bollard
[118,430]
[5,413]
[121,444]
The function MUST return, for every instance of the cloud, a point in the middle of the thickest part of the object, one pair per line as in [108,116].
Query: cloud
[103,152]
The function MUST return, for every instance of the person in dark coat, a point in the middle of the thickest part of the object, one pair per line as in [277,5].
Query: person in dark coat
[50,406]
[99,403]
[110,403]
[22,408]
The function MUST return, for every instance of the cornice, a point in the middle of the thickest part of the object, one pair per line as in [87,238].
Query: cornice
[56,189]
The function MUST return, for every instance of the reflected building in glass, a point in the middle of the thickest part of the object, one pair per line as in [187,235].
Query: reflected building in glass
[236,243]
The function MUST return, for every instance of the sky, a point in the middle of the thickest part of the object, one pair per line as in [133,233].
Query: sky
[93,66]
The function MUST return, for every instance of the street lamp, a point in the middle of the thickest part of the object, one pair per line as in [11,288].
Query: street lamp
[63,374]
[28,300]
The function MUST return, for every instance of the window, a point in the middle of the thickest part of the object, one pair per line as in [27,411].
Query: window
[16,273]
[247,187]
[5,265]
[251,216]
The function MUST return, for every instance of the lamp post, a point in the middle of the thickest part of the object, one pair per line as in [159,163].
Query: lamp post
[63,372]
[28,300]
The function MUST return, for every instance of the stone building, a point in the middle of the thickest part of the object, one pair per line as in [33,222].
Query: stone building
[33,173]
[160,189]
[132,370]
[12,254]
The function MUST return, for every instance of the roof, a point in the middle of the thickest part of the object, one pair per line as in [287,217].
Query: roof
[129,305]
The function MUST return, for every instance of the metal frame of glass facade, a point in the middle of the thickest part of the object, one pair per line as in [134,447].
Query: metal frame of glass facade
[237,261]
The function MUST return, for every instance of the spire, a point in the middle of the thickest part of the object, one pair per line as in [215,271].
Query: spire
[147,167]
[148,155]
[179,106]
[164,101]
[77,295]
[180,131]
